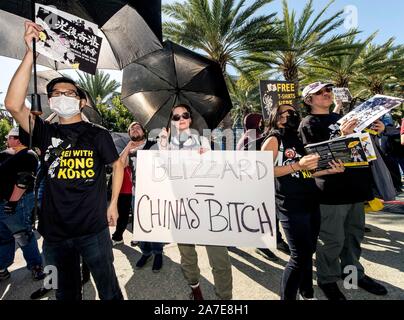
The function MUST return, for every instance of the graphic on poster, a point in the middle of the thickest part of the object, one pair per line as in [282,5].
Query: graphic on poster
[68,39]
[371,110]
[277,92]
[342,94]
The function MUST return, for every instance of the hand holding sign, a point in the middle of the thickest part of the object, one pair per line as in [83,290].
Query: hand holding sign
[378,126]
[348,127]
[309,162]
[32,31]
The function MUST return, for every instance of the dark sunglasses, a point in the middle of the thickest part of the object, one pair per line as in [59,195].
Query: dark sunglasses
[185,116]
[328,89]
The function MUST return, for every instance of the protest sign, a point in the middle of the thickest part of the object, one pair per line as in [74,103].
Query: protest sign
[371,110]
[277,93]
[68,39]
[218,198]
[348,149]
[342,94]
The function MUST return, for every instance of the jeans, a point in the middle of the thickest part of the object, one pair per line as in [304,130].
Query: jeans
[20,221]
[149,248]
[301,230]
[96,250]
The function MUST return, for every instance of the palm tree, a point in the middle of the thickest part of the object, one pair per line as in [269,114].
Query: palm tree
[224,30]
[304,40]
[98,86]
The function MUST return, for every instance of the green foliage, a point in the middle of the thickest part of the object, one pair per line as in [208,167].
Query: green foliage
[98,86]
[5,127]
[115,117]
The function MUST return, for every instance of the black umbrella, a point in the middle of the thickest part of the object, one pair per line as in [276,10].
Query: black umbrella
[121,139]
[153,84]
[43,77]
[126,36]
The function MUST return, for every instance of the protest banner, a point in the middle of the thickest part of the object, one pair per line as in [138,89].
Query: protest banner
[68,39]
[349,149]
[371,110]
[277,92]
[218,198]
[342,94]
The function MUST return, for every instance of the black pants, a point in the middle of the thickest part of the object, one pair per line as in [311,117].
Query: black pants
[301,230]
[124,209]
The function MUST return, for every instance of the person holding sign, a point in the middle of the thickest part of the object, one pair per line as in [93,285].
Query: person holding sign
[296,199]
[341,201]
[74,218]
[181,138]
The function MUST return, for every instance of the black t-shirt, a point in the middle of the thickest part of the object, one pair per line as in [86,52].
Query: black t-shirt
[75,196]
[296,192]
[23,161]
[355,184]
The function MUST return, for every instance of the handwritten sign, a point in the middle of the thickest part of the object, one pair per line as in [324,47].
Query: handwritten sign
[277,93]
[218,198]
[68,39]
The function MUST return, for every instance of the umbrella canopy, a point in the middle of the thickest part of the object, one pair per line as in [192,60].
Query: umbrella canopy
[121,139]
[43,77]
[126,35]
[155,83]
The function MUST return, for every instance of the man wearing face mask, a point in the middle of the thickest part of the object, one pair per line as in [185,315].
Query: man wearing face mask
[341,201]
[74,218]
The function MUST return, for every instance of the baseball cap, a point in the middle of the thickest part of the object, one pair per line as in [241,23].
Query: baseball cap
[314,87]
[14,132]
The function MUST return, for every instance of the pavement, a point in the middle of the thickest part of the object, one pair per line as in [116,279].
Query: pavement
[254,277]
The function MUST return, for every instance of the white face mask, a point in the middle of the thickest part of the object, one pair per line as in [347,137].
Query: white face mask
[65,107]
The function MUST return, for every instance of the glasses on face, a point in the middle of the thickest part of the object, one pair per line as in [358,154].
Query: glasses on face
[177,117]
[68,93]
[328,89]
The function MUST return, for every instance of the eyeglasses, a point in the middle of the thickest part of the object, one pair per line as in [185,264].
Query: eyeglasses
[185,116]
[327,89]
[69,93]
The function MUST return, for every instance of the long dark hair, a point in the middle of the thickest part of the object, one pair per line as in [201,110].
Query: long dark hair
[274,116]
[181,105]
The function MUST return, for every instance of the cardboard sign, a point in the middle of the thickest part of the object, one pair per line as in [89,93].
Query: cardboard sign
[371,110]
[68,39]
[218,198]
[277,93]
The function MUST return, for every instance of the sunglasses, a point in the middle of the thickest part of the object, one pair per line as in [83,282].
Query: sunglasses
[322,91]
[185,116]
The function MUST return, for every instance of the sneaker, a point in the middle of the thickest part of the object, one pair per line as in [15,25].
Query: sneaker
[367,230]
[283,247]
[116,242]
[37,273]
[267,254]
[370,285]
[306,296]
[332,292]
[142,261]
[4,275]
[196,293]
[157,263]
[39,293]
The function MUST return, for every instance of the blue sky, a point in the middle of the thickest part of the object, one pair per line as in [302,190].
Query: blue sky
[386,16]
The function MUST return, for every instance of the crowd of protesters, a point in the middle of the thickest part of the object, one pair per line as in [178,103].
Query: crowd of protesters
[321,213]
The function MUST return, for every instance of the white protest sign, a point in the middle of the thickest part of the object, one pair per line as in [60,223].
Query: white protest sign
[218,198]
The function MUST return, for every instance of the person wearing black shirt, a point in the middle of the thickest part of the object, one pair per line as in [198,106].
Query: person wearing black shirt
[74,218]
[296,199]
[341,201]
[17,172]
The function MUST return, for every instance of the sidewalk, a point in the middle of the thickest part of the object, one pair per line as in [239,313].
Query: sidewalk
[254,278]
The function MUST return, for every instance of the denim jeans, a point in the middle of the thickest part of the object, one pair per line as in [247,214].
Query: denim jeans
[96,250]
[149,248]
[20,221]
[301,230]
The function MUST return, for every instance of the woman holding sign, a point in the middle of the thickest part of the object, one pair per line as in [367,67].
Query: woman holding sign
[182,137]
[296,199]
